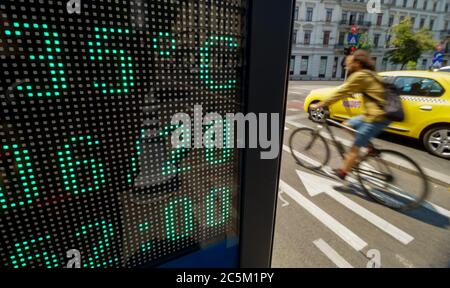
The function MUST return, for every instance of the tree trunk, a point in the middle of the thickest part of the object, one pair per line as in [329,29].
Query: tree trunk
[403,65]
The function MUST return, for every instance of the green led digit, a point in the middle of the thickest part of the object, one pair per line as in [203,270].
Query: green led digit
[164,43]
[69,167]
[49,55]
[146,246]
[172,166]
[217,216]
[134,158]
[144,227]
[206,65]
[170,218]
[169,166]
[225,153]
[29,188]
[98,50]
[98,256]
[32,253]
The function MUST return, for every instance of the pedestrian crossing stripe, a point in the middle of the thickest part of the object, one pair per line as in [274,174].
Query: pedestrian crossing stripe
[424,99]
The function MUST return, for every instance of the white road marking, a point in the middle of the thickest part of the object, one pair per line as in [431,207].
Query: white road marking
[316,185]
[405,262]
[340,230]
[285,202]
[426,204]
[331,254]
[294,109]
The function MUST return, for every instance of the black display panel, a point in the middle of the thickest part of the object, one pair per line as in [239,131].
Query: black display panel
[86,161]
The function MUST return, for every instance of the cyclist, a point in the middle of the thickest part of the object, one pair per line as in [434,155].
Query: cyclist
[372,122]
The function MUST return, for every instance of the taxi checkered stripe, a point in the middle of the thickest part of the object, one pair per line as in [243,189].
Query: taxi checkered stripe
[423,99]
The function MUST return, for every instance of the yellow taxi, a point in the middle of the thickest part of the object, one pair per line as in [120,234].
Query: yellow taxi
[426,100]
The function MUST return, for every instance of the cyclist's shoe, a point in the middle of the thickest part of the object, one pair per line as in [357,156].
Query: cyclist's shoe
[342,188]
[339,173]
[372,151]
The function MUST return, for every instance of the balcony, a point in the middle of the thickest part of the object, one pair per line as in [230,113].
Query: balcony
[445,32]
[357,23]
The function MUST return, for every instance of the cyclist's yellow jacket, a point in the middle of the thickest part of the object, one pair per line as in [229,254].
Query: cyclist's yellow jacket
[362,82]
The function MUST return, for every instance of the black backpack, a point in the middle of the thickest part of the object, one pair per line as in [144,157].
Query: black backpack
[392,106]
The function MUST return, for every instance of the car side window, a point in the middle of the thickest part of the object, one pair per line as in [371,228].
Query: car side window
[418,86]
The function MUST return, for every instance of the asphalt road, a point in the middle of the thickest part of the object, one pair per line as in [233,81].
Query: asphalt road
[317,226]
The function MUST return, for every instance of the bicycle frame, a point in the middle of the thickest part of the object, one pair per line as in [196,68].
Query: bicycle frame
[341,149]
[336,143]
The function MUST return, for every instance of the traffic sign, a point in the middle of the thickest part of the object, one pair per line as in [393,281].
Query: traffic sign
[353,39]
[438,58]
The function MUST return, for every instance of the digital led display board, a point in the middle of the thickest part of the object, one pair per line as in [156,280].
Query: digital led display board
[86,162]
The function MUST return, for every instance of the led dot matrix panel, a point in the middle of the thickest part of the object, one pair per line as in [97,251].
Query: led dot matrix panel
[86,161]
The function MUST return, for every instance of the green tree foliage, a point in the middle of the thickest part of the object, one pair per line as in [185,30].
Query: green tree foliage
[411,65]
[408,45]
[365,42]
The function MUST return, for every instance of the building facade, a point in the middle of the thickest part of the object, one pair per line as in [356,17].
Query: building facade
[321,28]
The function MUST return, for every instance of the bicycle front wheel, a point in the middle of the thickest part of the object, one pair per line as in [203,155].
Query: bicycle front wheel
[393,180]
[309,148]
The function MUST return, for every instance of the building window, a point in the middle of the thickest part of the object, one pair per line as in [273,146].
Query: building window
[307,39]
[401,18]
[361,18]
[329,15]
[294,36]
[425,5]
[292,65]
[296,12]
[352,20]
[422,22]
[424,64]
[405,2]
[304,65]
[341,38]
[446,25]
[447,6]
[413,21]
[391,21]
[415,4]
[431,24]
[383,65]
[335,66]
[344,16]
[323,66]
[435,6]
[309,14]
[388,41]
[379,19]
[326,38]
[376,40]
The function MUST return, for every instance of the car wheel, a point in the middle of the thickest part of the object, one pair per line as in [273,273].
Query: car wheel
[317,115]
[437,141]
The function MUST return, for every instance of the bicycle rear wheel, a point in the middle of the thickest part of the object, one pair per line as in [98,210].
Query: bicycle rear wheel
[393,180]
[309,149]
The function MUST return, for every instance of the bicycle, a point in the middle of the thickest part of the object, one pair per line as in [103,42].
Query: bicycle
[379,172]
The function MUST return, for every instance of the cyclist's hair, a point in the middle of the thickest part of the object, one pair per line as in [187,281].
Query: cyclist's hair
[364,58]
